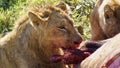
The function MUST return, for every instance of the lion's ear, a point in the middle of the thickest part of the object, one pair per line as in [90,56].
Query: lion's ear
[65,7]
[117,12]
[35,20]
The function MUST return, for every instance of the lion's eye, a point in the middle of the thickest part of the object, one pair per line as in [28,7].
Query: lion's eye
[107,16]
[62,28]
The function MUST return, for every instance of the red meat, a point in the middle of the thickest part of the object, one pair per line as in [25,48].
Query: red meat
[71,56]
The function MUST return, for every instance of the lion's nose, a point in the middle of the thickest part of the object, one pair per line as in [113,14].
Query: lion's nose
[77,40]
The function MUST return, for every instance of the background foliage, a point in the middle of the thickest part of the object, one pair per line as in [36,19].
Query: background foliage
[10,10]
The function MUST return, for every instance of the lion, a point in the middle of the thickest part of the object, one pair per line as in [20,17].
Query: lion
[38,35]
[105,19]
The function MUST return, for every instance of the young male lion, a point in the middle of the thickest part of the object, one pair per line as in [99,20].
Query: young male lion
[36,37]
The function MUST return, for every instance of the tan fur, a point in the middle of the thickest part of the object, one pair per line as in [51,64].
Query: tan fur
[105,19]
[36,37]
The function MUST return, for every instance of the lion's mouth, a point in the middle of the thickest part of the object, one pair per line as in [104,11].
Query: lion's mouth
[71,56]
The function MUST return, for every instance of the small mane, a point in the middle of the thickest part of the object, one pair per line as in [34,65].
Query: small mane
[40,10]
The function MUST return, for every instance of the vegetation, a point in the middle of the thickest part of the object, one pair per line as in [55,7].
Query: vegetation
[10,10]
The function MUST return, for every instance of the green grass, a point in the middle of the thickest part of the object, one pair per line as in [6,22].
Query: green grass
[10,10]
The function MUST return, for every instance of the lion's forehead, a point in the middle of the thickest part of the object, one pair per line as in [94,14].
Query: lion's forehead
[51,12]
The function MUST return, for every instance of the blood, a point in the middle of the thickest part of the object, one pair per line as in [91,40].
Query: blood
[71,56]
